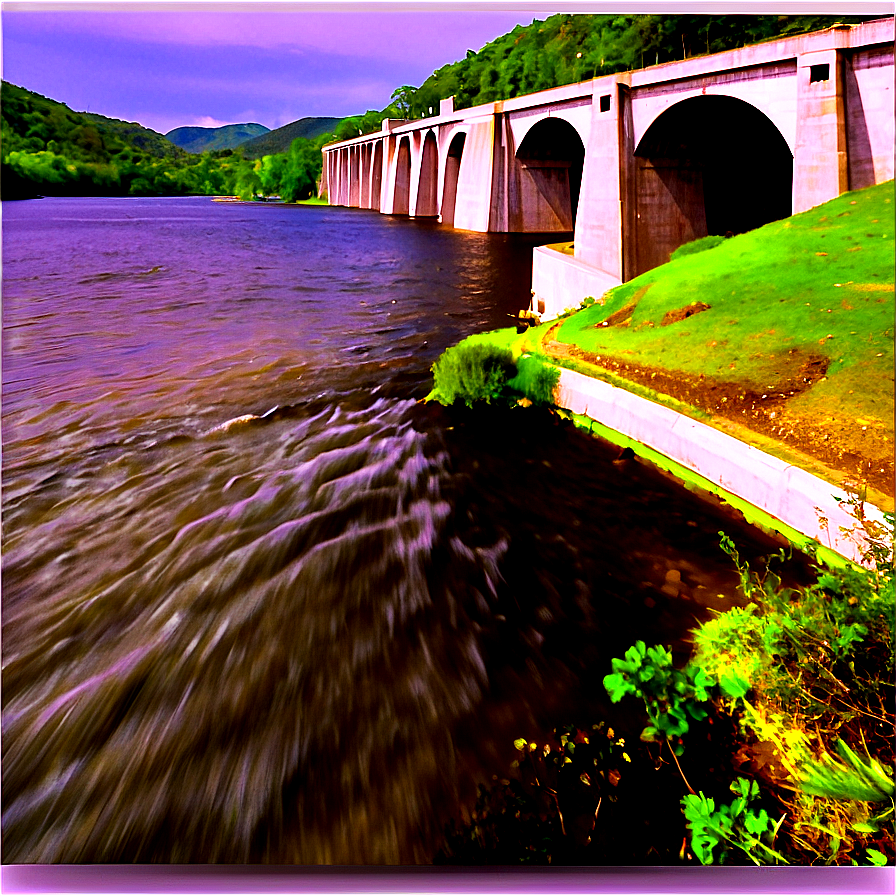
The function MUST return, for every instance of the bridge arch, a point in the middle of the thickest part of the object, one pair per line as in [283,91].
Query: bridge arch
[551,157]
[427,204]
[707,165]
[401,203]
[376,176]
[364,199]
[452,174]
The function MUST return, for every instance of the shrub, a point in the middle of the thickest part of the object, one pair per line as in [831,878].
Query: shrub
[536,380]
[705,242]
[478,372]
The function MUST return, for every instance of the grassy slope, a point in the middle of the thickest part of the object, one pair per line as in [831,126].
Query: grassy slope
[814,287]
[791,284]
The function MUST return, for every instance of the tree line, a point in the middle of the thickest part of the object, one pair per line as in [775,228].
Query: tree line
[567,49]
[48,148]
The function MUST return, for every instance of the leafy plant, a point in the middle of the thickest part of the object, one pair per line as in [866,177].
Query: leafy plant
[714,831]
[848,777]
[736,647]
[670,695]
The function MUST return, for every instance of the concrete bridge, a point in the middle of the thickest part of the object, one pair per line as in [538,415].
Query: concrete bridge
[637,163]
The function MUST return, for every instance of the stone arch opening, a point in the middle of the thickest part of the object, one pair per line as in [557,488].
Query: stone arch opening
[551,158]
[401,204]
[344,173]
[365,176]
[707,165]
[452,172]
[376,176]
[354,187]
[428,186]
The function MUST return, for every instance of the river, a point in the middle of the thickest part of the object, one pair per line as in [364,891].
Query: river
[260,604]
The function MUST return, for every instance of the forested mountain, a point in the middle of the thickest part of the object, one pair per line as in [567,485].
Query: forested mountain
[48,148]
[228,136]
[280,139]
[30,122]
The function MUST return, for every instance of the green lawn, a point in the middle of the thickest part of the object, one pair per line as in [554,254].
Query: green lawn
[818,283]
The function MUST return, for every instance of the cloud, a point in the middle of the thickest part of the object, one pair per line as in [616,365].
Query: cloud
[437,36]
[206,121]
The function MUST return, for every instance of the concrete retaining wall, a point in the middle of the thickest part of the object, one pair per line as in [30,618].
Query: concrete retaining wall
[790,494]
[561,281]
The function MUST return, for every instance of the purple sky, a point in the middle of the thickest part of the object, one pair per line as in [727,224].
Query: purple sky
[208,67]
[202,64]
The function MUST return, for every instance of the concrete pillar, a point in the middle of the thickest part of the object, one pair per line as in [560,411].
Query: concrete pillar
[427,204]
[474,184]
[820,164]
[322,188]
[343,176]
[604,202]
[354,199]
[387,202]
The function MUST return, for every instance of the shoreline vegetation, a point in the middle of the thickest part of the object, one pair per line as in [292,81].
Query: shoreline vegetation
[774,743]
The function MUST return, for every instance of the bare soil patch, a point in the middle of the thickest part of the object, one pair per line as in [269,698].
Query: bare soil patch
[622,317]
[673,317]
[828,435]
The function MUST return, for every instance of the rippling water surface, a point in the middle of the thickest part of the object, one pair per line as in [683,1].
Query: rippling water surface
[259,604]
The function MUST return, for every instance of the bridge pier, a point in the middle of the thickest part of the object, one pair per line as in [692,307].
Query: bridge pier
[820,165]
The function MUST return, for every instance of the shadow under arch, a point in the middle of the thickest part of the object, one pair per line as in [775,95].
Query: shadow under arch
[452,173]
[707,165]
[428,187]
[376,179]
[401,204]
[551,158]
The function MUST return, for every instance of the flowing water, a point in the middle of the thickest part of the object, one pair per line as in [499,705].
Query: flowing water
[259,603]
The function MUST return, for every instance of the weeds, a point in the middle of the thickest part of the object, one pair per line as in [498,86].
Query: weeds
[700,245]
[805,678]
[738,824]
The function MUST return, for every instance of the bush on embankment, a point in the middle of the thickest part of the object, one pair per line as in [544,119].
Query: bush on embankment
[483,371]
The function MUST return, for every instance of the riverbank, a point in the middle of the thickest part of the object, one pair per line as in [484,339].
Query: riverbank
[761,365]
[779,339]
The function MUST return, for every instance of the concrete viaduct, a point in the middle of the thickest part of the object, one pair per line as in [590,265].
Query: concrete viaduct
[637,163]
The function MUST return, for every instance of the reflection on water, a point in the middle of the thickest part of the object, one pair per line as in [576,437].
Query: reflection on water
[258,603]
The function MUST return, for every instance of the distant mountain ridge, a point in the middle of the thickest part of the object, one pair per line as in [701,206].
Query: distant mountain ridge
[32,122]
[280,139]
[228,136]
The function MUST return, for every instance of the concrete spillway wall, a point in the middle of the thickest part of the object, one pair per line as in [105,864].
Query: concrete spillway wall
[799,500]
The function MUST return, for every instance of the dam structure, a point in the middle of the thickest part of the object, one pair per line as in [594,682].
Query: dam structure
[637,163]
